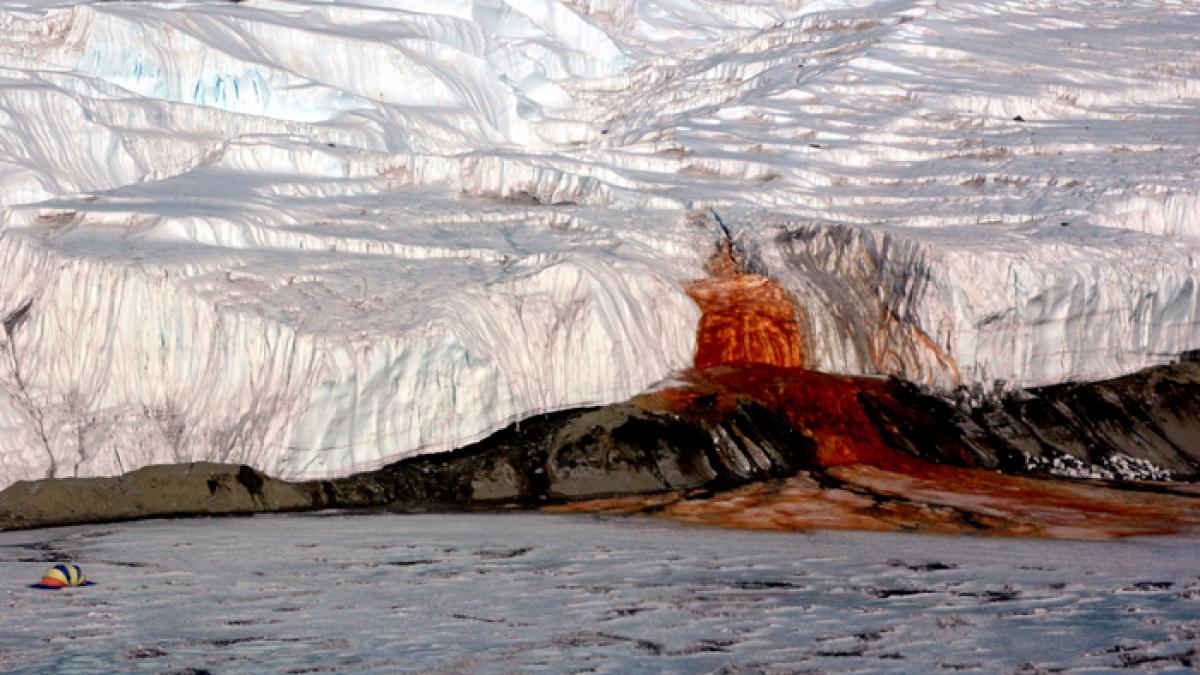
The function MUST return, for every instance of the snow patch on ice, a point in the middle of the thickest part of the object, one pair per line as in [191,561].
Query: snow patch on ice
[1117,466]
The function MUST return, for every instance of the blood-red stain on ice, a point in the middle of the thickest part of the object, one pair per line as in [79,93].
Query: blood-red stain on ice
[751,346]
[746,319]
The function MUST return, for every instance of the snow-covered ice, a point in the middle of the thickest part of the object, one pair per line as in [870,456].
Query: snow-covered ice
[513,592]
[317,237]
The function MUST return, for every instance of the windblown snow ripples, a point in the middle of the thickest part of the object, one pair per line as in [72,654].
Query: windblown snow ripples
[506,592]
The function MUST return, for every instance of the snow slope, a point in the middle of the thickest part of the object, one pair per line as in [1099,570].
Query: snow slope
[317,237]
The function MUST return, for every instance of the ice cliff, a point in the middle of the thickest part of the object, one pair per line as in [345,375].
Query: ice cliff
[317,237]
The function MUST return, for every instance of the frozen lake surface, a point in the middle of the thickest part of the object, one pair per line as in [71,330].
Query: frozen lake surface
[501,593]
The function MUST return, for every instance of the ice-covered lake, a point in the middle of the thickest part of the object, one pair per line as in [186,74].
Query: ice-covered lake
[509,592]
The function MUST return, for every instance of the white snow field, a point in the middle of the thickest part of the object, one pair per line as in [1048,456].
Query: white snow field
[521,592]
[317,237]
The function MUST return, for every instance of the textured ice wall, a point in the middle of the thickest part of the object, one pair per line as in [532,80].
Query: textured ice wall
[116,364]
[317,237]
[919,304]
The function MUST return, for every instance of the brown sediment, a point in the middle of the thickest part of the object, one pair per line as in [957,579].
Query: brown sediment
[880,500]
[750,347]
[951,500]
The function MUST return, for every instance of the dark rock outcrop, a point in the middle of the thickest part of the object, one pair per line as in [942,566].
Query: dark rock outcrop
[577,454]
[200,488]
[1152,415]
[709,442]
[614,450]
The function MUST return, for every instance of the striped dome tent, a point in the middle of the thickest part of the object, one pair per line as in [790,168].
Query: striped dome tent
[63,575]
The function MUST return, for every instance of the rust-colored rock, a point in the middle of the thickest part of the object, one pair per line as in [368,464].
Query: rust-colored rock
[822,406]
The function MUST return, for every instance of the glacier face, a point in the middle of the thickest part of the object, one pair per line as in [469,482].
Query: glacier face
[316,237]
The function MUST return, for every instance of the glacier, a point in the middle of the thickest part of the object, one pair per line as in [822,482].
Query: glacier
[318,237]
